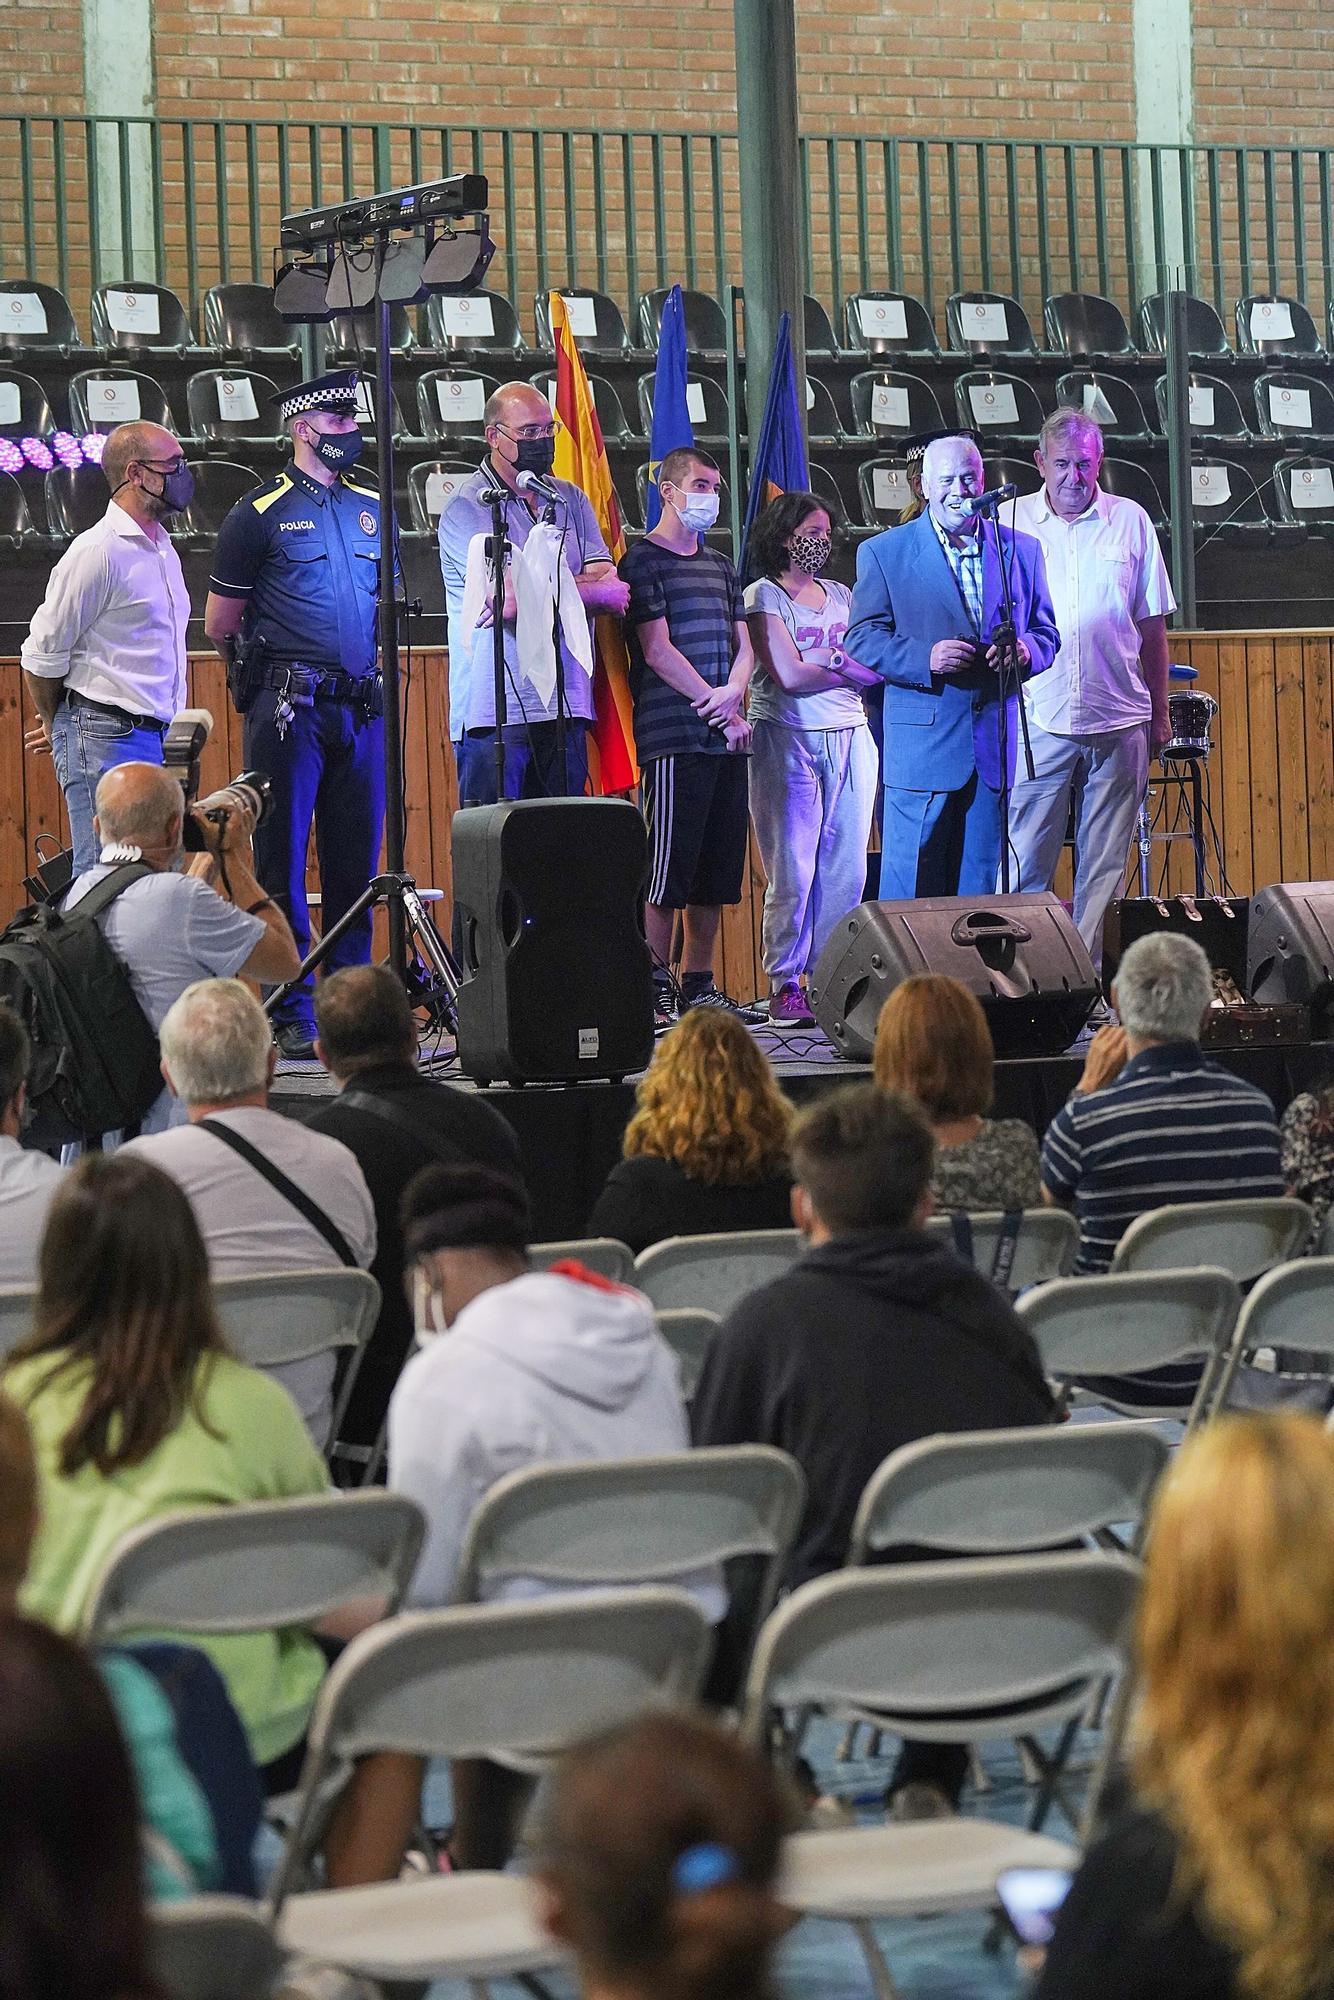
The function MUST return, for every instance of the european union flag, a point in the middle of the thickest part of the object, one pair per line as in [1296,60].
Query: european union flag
[779,463]
[671,418]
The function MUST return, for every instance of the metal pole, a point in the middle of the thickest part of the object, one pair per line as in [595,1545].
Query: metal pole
[1178,460]
[393,726]
[773,215]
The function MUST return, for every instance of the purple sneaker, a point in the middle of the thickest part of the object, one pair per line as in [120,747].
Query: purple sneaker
[788,1007]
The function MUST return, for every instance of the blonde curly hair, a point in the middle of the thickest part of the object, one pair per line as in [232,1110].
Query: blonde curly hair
[1234,1743]
[708,1101]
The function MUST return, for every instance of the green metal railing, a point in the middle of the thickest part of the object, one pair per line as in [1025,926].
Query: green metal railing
[189,202]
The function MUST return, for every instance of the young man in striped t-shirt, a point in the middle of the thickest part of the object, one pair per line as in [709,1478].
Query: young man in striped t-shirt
[1153,1120]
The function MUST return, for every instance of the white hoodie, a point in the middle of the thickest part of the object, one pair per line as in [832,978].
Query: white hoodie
[549,1368]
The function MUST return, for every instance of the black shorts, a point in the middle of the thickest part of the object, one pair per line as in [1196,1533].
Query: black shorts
[695,806]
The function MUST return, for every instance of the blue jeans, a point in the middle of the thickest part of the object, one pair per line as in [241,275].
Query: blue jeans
[84,743]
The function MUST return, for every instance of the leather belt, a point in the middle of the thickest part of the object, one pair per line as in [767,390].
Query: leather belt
[77,700]
[296,677]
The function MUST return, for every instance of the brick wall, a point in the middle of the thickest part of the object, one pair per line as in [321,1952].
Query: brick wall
[41,56]
[1264,75]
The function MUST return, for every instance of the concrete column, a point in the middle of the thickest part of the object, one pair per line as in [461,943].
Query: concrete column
[773,218]
[1164,116]
[118,83]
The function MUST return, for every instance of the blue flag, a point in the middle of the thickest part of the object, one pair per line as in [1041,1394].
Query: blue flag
[671,417]
[778,464]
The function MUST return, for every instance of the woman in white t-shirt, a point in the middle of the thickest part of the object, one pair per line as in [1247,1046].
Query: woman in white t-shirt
[813,759]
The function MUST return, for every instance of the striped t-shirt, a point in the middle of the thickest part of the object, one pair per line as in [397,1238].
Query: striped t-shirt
[701,600]
[1174,1126]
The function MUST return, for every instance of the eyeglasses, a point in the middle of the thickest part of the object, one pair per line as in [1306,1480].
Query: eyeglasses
[529,430]
[176,464]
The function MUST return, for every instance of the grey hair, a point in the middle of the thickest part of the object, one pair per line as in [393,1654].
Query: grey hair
[937,445]
[153,797]
[215,1042]
[1062,423]
[1163,988]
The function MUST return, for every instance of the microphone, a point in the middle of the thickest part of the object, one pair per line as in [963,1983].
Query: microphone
[987,503]
[533,482]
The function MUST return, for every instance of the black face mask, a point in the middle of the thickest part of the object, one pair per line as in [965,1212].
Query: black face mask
[338,449]
[535,455]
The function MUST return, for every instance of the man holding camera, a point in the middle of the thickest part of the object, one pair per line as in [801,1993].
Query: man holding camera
[181,923]
[292,606]
[925,615]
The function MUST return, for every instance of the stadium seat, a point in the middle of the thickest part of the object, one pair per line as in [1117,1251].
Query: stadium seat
[706,323]
[822,418]
[471,320]
[1084,323]
[724,499]
[101,398]
[432,484]
[242,319]
[596,321]
[883,489]
[219,484]
[450,402]
[25,410]
[1304,492]
[1206,337]
[998,405]
[825,488]
[1271,323]
[888,323]
[886,404]
[1225,500]
[1111,402]
[1291,407]
[351,338]
[76,498]
[817,327]
[130,318]
[1134,482]
[35,316]
[616,426]
[1215,411]
[988,323]
[232,406]
[16,522]
[1020,472]
[366,411]
[706,405]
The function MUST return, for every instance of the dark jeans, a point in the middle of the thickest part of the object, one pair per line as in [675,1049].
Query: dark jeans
[532,768]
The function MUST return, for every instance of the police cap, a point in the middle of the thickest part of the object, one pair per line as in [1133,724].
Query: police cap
[335,392]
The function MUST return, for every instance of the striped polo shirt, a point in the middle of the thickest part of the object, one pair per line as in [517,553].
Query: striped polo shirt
[701,600]
[1174,1126]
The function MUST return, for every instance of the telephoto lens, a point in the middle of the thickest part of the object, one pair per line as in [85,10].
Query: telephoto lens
[251,792]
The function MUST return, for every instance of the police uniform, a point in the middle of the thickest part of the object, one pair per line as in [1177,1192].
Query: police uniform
[305,558]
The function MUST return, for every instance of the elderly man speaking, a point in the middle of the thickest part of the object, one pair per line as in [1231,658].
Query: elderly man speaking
[924,616]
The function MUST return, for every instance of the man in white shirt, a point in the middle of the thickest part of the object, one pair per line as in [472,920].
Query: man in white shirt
[104,659]
[28,1180]
[218,1058]
[1100,711]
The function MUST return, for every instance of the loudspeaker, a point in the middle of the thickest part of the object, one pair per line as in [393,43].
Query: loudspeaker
[557,982]
[1291,954]
[1021,956]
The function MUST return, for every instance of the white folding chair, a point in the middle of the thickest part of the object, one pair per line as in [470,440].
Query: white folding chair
[944,1652]
[713,1271]
[1242,1238]
[282,1317]
[1291,1309]
[1044,1248]
[606,1255]
[689,1332]
[1129,1323]
[1325,1244]
[16,1304]
[520,1680]
[214,1948]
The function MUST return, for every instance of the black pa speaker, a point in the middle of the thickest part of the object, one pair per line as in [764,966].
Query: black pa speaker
[557,984]
[1291,948]
[1021,956]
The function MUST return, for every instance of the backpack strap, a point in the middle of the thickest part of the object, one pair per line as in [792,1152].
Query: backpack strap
[288,1189]
[1007,1237]
[961,1229]
[107,890]
[431,1143]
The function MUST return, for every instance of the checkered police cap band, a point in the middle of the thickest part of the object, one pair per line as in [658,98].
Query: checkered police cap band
[335,393]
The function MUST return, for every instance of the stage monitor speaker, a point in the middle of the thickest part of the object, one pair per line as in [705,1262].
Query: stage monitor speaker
[557,984]
[1291,949]
[1021,956]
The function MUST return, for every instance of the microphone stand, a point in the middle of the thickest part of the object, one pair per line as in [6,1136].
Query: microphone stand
[496,500]
[1005,639]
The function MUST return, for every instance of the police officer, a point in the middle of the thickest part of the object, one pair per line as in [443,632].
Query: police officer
[292,606]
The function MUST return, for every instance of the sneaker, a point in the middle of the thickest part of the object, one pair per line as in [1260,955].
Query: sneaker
[789,1007]
[664,1006]
[709,996]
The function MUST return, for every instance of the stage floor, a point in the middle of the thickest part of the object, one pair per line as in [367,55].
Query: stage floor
[570,1133]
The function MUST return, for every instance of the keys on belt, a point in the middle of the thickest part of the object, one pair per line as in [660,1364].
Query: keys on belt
[298,685]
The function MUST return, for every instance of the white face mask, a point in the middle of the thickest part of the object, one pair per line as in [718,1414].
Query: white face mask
[698,511]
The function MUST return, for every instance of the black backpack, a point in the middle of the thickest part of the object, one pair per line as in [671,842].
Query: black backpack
[94,1052]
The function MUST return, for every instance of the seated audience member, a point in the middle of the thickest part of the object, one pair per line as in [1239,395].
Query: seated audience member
[28,1180]
[180,924]
[706,1149]
[395,1121]
[1213,1881]
[1153,1120]
[268,1194]
[539,1367]
[660,1859]
[877,1336]
[1306,1132]
[932,1042]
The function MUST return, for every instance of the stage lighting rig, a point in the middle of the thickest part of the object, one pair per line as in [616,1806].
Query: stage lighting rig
[345,258]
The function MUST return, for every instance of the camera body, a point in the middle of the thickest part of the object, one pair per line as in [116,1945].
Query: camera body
[182,747]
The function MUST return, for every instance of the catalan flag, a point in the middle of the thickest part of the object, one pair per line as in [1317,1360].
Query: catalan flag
[779,463]
[581,457]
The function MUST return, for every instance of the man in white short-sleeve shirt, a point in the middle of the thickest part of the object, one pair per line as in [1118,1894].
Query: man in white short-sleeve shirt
[1100,712]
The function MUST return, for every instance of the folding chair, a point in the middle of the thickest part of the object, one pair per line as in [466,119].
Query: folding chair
[214,1948]
[944,1652]
[1290,1308]
[689,1332]
[514,1681]
[281,1317]
[258,1567]
[1128,1323]
[16,1304]
[1044,1247]
[1242,1237]
[603,1254]
[713,1271]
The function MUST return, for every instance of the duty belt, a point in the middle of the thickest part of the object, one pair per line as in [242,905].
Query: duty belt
[299,681]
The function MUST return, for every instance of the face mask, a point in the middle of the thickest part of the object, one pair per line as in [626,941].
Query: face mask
[338,449]
[178,490]
[699,511]
[535,455]
[810,552]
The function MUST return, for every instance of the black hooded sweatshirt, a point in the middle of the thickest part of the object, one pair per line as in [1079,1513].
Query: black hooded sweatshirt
[868,1343]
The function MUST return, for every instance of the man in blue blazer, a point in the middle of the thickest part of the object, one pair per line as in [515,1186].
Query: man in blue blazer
[925,608]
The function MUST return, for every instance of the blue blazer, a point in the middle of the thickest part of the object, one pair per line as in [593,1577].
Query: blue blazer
[940,728]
